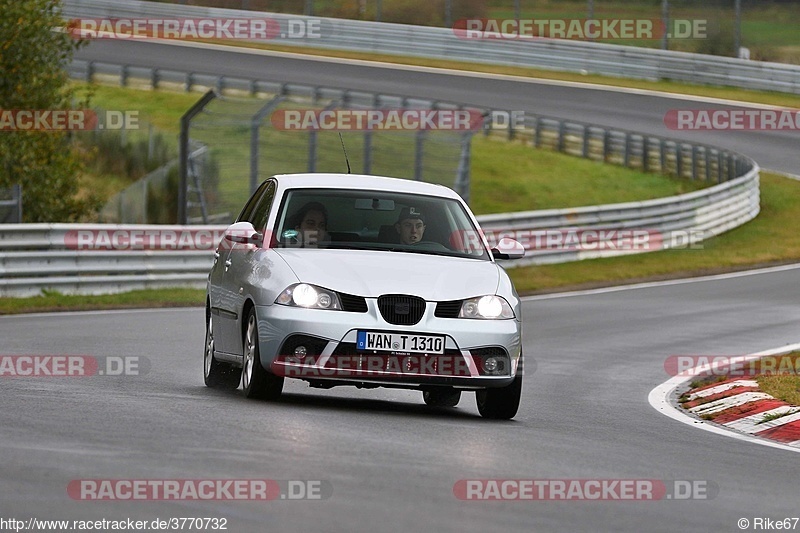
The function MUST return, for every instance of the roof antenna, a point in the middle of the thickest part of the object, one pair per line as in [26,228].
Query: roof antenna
[345,152]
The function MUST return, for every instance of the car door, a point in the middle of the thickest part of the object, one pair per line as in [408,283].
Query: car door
[241,265]
[226,302]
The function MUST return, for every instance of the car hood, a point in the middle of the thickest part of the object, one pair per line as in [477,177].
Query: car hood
[373,273]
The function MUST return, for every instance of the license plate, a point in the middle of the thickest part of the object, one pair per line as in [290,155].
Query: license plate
[399,342]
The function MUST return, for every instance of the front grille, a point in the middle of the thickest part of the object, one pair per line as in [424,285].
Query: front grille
[354,304]
[401,309]
[447,309]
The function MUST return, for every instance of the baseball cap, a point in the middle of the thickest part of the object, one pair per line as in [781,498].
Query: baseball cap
[412,213]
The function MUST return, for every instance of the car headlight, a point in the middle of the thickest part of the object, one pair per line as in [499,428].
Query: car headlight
[489,307]
[309,296]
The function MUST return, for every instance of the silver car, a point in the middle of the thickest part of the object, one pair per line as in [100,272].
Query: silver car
[341,279]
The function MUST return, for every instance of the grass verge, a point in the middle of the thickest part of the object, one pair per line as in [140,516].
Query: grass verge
[784,386]
[769,239]
[54,301]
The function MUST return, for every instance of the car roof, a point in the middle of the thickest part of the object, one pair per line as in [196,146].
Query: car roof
[363,182]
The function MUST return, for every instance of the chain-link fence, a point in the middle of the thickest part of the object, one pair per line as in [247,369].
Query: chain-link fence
[250,139]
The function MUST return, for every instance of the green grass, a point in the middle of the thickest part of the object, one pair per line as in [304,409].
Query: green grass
[786,386]
[510,177]
[54,301]
[771,238]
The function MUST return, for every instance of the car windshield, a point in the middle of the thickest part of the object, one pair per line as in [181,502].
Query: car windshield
[377,220]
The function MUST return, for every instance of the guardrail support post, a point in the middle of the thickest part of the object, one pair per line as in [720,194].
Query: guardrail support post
[679,159]
[123,76]
[585,148]
[694,162]
[626,155]
[537,133]
[89,71]
[606,144]
[154,78]
[189,82]
[561,134]
[707,162]
[645,153]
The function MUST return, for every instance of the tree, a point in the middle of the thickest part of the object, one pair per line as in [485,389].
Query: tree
[33,57]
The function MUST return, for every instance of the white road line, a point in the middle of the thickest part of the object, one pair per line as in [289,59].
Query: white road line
[665,283]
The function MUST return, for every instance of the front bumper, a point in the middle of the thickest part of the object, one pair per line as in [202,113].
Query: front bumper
[334,359]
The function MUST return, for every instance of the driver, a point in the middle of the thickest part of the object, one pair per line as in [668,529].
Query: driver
[410,225]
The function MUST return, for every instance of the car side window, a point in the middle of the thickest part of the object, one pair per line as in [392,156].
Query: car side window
[247,213]
[261,211]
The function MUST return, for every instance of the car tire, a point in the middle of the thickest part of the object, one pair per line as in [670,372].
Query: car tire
[501,403]
[217,375]
[257,382]
[441,398]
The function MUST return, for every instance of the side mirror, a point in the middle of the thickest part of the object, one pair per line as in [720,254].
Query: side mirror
[244,233]
[508,249]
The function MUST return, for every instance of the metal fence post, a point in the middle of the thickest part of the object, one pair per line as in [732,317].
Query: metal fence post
[183,164]
[367,152]
[418,153]
[462,182]
[255,126]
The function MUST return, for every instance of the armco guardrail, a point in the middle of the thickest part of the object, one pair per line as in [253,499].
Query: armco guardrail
[49,256]
[442,43]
